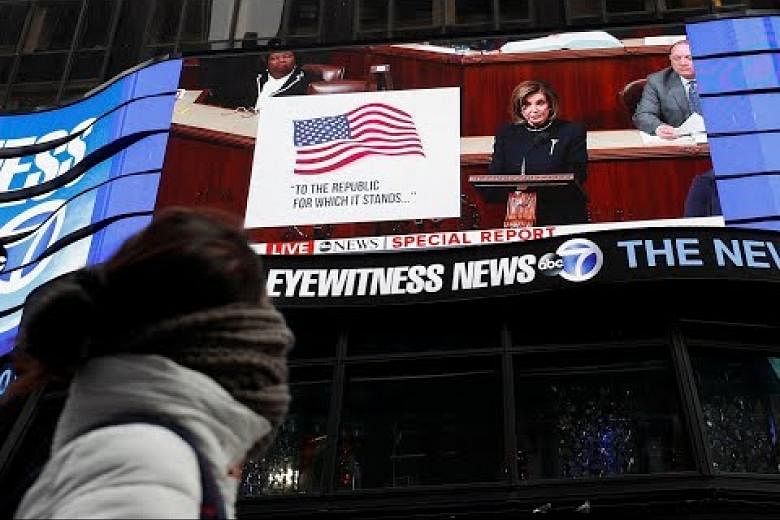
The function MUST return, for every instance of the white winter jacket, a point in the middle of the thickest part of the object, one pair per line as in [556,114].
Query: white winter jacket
[141,470]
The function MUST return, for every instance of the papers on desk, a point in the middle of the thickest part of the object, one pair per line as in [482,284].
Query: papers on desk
[573,40]
[684,140]
[664,40]
[692,131]
[692,126]
[435,48]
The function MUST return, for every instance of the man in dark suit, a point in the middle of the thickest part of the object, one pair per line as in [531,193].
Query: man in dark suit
[703,199]
[282,77]
[670,95]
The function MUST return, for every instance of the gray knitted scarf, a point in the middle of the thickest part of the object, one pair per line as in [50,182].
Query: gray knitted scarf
[244,348]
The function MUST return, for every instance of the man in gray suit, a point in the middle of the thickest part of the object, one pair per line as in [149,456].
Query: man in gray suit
[670,95]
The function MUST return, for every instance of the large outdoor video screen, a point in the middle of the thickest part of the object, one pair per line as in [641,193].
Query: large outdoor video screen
[411,138]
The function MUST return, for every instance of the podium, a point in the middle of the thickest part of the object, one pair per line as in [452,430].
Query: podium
[521,203]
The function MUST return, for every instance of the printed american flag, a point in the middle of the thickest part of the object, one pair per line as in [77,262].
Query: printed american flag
[325,144]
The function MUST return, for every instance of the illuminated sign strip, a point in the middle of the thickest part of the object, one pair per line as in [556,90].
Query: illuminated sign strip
[451,239]
[738,78]
[550,264]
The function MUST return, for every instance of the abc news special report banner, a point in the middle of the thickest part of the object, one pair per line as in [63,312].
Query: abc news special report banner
[361,157]
[524,267]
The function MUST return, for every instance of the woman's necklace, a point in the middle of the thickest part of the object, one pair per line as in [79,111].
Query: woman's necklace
[540,128]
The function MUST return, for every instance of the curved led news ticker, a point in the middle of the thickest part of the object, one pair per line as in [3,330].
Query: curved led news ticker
[77,180]
[738,74]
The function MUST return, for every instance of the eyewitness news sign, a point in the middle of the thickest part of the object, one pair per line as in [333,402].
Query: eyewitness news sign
[514,268]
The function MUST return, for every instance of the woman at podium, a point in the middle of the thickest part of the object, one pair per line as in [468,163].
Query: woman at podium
[536,142]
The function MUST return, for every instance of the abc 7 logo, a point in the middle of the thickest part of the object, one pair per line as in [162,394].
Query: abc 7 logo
[576,260]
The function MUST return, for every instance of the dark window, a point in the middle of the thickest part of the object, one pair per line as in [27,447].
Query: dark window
[304,17]
[6,62]
[514,9]
[97,23]
[626,6]
[294,462]
[583,10]
[316,334]
[207,20]
[52,26]
[372,15]
[740,399]
[472,11]
[42,67]
[87,65]
[592,415]
[156,51]
[688,4]
[733,3]
[419,423]
[411,329]
[76,91]
[413,13]
[25,97]
[13,16]
[585,317]
[165,21]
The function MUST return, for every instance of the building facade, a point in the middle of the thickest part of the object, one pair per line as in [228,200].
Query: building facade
[54,51]
[653,390]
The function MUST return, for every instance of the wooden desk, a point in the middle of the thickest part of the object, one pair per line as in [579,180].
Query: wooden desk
[587,81]
[210,153]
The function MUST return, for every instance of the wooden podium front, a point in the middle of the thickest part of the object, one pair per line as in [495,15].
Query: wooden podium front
[521,204]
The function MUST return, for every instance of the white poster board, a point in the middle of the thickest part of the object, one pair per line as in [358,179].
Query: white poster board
[357,157]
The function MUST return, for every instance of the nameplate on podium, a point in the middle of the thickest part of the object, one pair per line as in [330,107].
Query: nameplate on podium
[511,181]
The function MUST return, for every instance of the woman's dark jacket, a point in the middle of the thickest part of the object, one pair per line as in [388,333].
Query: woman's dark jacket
[560,148]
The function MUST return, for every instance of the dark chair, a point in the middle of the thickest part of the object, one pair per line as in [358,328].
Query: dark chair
[631,94]
[379,77]
[338,86]
[323,71]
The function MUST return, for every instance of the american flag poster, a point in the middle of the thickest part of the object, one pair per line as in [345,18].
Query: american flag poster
[358,157]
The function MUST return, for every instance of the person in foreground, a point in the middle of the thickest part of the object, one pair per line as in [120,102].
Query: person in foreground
[537,142]
[178,358]
[670,95]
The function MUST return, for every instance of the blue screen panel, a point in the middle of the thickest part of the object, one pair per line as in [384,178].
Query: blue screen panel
[742,112]
[752,153]
[73,203]
[738,73]
[750,197]
[772,225]
[739,34]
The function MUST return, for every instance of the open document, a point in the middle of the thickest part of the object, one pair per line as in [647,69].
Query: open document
[573,40]
[694,127]
[692,131]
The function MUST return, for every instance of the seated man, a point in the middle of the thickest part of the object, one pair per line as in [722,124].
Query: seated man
[670,95]
[282,77]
